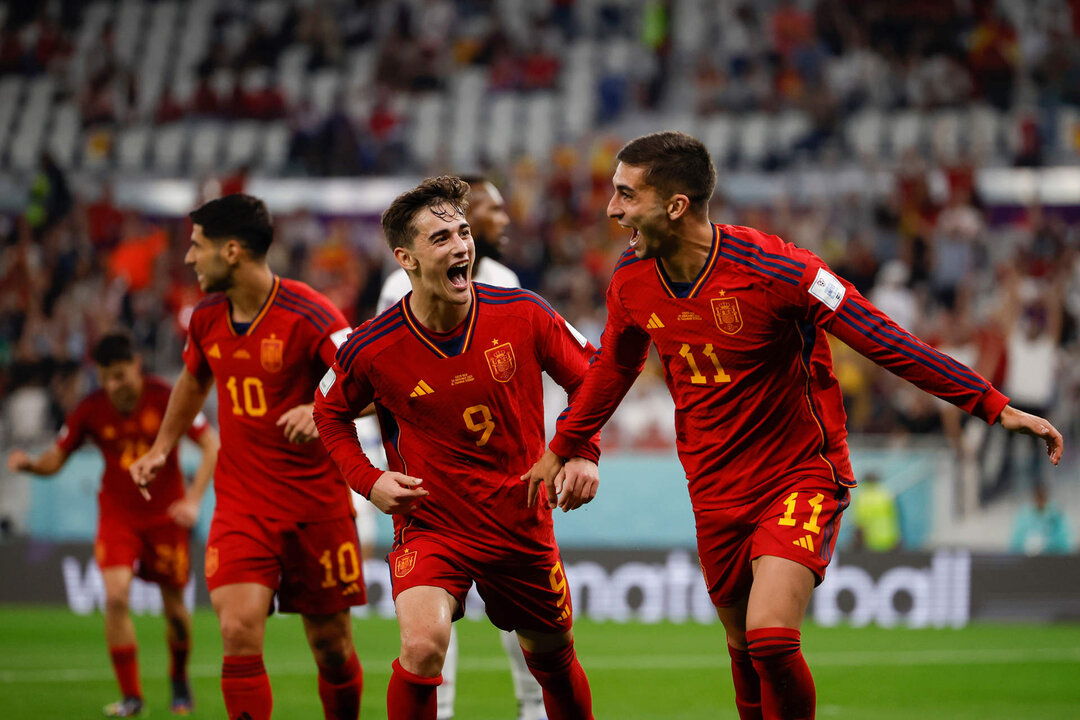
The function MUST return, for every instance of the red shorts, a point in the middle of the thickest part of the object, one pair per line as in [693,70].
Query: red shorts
[519,593]
[314,567]
[158,552]
[798,522]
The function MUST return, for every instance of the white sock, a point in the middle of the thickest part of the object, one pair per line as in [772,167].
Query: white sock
[444,693]
[529,695]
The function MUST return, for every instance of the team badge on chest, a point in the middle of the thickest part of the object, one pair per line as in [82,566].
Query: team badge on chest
[272,353]
[726,313]
[501,362]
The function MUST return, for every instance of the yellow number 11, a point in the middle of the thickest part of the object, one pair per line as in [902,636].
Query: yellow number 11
[696,376]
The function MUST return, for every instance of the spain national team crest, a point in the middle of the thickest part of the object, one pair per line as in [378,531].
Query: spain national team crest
[404,563]
[726,313]
[272,354]
[501,362]
[211,561]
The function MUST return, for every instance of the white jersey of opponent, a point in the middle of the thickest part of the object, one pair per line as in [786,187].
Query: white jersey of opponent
[491,272]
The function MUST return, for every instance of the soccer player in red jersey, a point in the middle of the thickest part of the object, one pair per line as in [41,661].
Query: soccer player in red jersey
[454,370]
[739,320]
[135,536]
[283,520]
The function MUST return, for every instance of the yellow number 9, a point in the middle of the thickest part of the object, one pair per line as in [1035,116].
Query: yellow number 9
[487,426]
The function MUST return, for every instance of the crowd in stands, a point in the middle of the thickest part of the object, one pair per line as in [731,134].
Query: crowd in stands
[999,288]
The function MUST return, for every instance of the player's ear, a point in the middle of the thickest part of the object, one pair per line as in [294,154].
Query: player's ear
[405,258]
[231,250]
[677,206]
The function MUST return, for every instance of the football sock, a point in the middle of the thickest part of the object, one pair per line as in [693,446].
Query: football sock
[246,687]
[340,689]
[410,696]
[787,687]
[566,689]
[178,657]
[747,685]
[126,666]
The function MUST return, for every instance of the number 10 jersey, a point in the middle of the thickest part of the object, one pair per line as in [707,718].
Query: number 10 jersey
[262,371]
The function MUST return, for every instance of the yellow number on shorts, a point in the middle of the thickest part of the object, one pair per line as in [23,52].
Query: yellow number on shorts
[788,518]
[254,396]
[557,578]
[348,563]
[696,376]
[487,426]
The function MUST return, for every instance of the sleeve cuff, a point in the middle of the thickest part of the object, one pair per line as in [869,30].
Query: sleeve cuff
[990,405]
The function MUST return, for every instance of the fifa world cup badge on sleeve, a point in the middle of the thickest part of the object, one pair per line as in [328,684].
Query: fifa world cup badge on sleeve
[501,362]
[327,381]
[828,289]
[405,562]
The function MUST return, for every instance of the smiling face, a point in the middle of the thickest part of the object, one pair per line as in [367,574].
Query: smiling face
[439,260]
[638,206]
[207,259]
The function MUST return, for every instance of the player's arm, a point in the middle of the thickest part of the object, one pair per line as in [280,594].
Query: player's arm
[48,463]
[337,401]
[185,511]
[834,303]
[615,367]
[185,401]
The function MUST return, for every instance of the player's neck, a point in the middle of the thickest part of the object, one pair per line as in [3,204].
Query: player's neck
[252,285]
[690,251]
[436,314]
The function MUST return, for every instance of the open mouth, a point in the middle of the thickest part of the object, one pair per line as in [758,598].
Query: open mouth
[459,275]
[633,237]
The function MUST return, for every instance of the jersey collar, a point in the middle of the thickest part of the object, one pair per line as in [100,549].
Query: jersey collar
[442,349]
[703,275]
[260,315]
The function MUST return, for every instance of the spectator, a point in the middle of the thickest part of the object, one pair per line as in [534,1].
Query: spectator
[1040,527]
[877,516]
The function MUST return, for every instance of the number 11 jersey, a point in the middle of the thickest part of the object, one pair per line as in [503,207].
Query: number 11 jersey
[262,371]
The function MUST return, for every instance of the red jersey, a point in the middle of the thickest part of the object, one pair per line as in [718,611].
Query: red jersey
[123,437]
[748,364]
[462,411]
[262,371]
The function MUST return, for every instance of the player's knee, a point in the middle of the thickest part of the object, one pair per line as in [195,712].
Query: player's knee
[239,635]
[423,654]
[331,650]
[116,603]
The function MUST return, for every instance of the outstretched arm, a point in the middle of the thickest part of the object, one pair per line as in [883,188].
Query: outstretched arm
[48,463]
[1019,421]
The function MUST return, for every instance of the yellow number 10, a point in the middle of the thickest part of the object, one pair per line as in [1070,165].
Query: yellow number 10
[254,396]
[696,376]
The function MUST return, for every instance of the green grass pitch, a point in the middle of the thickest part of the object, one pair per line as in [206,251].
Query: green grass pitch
[53,665]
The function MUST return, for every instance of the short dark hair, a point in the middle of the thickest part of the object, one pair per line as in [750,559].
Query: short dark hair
[116,346]
[675,163]
[240,216]
[397,221]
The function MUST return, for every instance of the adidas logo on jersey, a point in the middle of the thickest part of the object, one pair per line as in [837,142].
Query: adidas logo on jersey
[806,541]
[214,351]
[654,322]
[422,388]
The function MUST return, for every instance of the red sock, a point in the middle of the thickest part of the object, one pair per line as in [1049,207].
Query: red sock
[747,685]
[340,689]
[246,688]
[787,687]
[410,696]
[178,657]
[566,689]
[126,666]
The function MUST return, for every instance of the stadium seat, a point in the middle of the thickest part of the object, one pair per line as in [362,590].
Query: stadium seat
[467,90]
[205,148]
[718,137]
[131,146]
[275,153]
[426,123]
[945,135]
[983,132]
[539,125]
[754,139]
[241,143]
[865,134]
[64,135]
[168,148]
[905,132]
[10,92]
[29,130]
[502,122]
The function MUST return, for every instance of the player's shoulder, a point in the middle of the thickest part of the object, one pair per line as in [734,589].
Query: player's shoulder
[302,300]
[493,272]
[629,265]
[377,333]
[209,305]
[762,254]
[92,405]
[512,299]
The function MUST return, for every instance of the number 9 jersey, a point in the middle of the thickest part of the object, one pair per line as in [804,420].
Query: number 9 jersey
[262,371]
[463,411]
